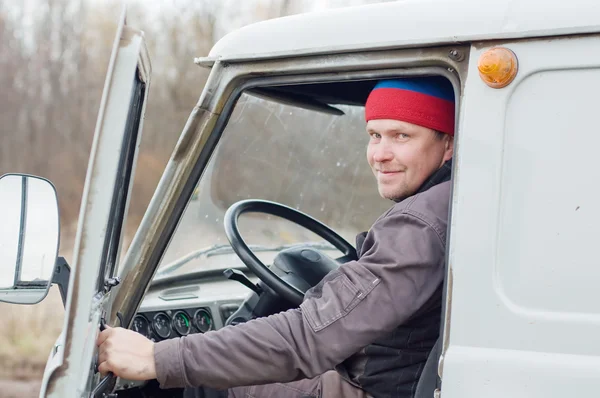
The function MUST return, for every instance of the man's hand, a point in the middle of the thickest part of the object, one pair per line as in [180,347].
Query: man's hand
[127,354]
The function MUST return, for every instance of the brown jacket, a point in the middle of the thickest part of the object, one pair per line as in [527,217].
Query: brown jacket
[400,268]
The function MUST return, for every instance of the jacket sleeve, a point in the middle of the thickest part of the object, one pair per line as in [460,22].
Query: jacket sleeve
[360,302]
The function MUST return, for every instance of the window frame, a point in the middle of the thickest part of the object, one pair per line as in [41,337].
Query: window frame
[209,118]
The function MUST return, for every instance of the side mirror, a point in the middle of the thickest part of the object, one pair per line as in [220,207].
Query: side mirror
[29,237]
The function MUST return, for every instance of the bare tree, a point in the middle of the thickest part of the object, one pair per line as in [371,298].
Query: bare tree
[53,57]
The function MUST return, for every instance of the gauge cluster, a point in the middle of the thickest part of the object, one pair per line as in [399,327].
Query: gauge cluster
[162,325]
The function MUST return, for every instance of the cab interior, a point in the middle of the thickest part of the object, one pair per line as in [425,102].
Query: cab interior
[287,183]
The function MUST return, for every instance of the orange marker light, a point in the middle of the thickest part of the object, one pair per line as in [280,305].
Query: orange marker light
[497,67]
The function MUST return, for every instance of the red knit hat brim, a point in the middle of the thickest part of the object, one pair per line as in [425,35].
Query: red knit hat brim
[412,107]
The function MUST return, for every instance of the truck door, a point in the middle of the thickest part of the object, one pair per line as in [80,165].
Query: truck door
[523,266]
[104,207]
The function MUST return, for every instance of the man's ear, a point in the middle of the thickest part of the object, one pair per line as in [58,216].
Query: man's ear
[449,151]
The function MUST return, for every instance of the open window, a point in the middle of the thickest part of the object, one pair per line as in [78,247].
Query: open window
[285,130]
[302,145]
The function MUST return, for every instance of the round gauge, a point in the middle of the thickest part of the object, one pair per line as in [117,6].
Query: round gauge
[161,325]
[181,323]
[140,325]
[203,321]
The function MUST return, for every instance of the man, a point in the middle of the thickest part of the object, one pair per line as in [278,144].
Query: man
[374,320]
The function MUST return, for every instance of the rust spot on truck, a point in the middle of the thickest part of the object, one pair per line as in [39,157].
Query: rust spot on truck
[195,134]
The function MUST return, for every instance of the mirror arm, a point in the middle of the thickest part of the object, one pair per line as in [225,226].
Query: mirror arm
[62,273]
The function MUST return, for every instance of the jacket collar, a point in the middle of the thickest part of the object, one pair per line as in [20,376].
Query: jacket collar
[441,175]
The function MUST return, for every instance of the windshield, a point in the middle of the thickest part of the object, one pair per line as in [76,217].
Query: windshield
[311,161]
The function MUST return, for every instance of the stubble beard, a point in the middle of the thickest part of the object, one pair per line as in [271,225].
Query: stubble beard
[396,194]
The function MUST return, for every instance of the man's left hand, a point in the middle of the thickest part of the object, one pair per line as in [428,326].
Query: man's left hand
[127,354]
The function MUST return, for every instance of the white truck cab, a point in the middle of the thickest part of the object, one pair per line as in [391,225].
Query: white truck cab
[521,315]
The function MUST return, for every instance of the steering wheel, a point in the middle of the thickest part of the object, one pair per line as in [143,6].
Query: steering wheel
[281,287]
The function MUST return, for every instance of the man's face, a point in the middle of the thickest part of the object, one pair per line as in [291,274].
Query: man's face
[403,155]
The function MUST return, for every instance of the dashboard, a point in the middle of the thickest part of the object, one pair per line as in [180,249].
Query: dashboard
[179,322]
[182,306]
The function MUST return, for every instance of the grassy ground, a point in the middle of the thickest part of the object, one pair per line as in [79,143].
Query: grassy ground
[19,389]
[27,334]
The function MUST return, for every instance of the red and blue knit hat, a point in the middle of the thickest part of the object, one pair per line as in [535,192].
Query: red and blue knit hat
[425,101]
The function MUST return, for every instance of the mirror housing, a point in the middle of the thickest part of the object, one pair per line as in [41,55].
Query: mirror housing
[29,237]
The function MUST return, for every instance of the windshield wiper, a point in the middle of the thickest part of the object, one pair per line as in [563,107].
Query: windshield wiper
[218,250]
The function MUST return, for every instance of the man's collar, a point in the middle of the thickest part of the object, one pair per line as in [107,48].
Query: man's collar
[442,174]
